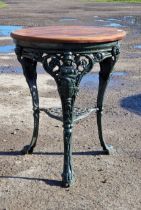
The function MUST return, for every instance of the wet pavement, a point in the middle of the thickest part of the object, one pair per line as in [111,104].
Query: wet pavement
[131,22]
[7,49]
[125,21]
[118,22]
[138,46]
[5,30]
[92,79]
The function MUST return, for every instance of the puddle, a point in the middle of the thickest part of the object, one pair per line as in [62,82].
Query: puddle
[7,49]
[138,46]
[119,74]
[113,19]
[111,22]
[5,35]
[130,19]
[67,19]
[17,69]
[92,79]
[10,69]
[114,25]
[100,20]
[125,21]
[6,30]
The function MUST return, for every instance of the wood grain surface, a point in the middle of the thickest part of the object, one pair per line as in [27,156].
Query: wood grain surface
[69,34]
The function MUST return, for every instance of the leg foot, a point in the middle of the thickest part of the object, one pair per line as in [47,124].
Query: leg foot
[68,180]
[27,150]
[108,149]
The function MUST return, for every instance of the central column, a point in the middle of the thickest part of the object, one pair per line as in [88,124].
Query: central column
[67,68]
[67,88]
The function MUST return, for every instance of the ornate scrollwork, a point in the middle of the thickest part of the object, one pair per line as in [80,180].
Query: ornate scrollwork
[115,52]
[84,63]
[99,56]
[81,63]
[67,63]
[67,77]
[51,64]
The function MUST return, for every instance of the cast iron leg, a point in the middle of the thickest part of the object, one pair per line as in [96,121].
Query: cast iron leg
[67,176]
[106,67]
[29,70]
[67,88]
[67,91]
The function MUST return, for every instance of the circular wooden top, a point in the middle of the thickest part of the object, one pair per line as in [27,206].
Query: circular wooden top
[69,34]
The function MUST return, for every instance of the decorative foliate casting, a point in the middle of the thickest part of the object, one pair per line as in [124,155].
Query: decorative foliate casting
[52,61]
[76,65]
[115,50]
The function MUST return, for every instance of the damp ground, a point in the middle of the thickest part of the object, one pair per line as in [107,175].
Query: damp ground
[102,182]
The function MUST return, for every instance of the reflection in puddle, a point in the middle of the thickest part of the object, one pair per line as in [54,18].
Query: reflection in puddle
[138,46]
[113,19]
[114,25]
[6,30]
[10,69]
[92,79]
[120,22]
[7,49]
[112,22]
[119,74]
[133,21]
[4,35]
[100,20]
[17,69]
[130,19]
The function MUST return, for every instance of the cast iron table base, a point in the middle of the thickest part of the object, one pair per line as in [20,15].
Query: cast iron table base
[67,61]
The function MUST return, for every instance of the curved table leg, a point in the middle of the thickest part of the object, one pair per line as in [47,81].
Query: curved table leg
[106,67]
[29,71]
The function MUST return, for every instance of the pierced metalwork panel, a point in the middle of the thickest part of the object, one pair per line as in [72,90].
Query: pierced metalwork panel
[78,113]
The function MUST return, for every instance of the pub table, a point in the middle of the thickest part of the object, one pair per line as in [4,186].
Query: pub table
[67,53]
